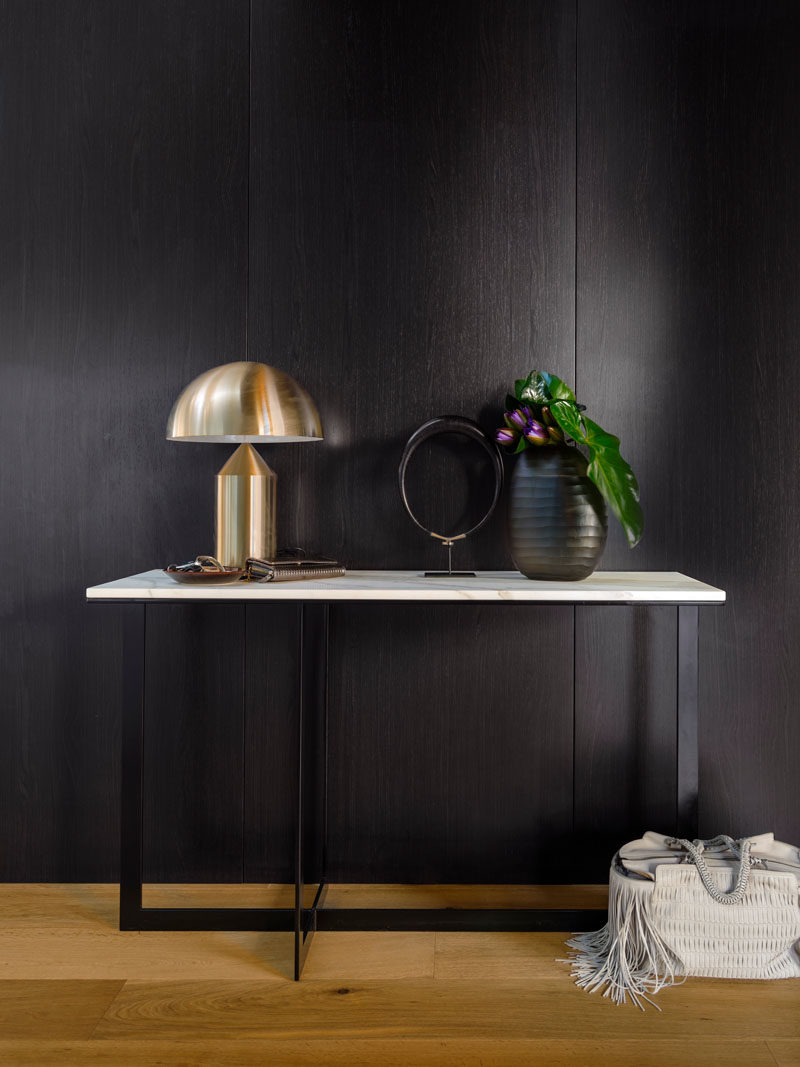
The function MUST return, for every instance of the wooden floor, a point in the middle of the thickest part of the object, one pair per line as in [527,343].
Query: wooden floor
[74,990]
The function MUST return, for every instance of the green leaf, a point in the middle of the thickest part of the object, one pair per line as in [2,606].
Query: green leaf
[614,478]
[533,390]
[522,444]
[566,414]
[558,390]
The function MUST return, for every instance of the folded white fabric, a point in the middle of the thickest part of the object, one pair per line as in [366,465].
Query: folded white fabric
[719,909]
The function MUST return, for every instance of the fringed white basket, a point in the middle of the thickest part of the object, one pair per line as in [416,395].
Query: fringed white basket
[660,931]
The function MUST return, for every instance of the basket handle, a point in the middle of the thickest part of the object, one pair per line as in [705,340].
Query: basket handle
[741,849]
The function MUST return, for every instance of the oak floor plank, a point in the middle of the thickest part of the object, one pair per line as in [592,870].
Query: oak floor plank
[23,904]
[358,956]
[785,1053]
[33,902]
[71,951]
[60,1010]
[499,954]
[551,1008]
[246,895]
[368,1052]
[358,895]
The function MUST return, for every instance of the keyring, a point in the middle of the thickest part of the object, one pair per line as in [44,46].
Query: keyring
[456,424]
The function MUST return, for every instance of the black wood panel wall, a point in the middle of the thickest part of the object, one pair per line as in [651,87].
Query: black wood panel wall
[687,336]
[387,200]
[412,242]
[123,249]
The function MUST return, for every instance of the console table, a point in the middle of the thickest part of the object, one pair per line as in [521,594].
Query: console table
[313,599]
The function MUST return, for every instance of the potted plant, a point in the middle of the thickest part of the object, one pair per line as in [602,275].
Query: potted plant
[557,518]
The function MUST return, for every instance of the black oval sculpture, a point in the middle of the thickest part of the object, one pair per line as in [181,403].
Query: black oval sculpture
[557,519]
[466,427]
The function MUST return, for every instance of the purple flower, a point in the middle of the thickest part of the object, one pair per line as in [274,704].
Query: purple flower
[506,436]
[556,436]
[515,420]
[535,433]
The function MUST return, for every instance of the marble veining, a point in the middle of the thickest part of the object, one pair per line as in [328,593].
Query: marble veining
[666,587]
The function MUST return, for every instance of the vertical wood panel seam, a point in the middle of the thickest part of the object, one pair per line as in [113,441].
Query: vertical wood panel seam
[574,706]
[575,220]
[326,741]
[249,174]
[143,750]
[575,385]
[244,848]
[677,716]
[244,738]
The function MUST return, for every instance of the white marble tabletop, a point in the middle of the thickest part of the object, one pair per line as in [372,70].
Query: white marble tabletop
[666,587]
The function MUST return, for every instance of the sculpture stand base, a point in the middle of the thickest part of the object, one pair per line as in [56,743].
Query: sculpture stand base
[449,574]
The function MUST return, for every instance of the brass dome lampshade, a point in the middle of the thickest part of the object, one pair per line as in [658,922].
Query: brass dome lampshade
[244,402]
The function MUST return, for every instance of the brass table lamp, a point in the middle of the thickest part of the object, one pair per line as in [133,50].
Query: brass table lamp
[244,402]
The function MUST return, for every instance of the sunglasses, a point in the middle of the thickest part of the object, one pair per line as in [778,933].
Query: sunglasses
[194,566]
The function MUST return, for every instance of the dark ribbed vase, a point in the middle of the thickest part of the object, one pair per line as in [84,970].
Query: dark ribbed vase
[557,519]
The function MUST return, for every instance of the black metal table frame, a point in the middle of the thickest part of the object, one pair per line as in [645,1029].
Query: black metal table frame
[304,919]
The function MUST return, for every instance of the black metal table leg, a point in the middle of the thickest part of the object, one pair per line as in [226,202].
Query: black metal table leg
[132,916]
[687,760]
[133,656]
[311,774]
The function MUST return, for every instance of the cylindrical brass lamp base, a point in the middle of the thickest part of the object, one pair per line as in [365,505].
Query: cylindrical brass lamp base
[245,509]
